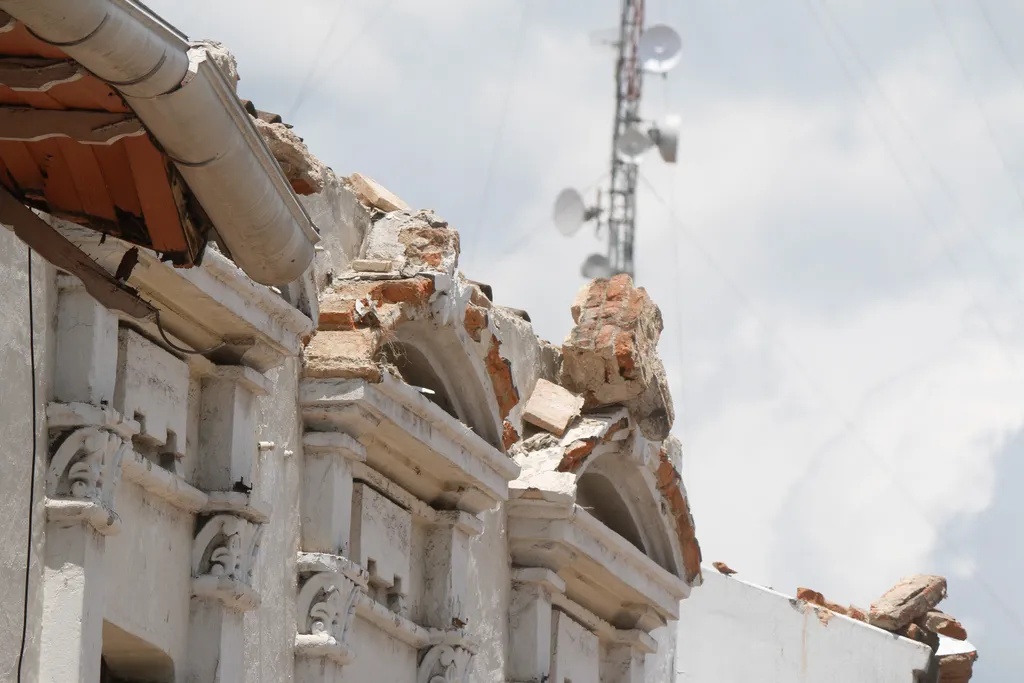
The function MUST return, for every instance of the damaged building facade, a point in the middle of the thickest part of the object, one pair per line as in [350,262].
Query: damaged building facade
[259,427]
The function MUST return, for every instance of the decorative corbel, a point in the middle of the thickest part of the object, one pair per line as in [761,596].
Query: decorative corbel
[445,664]
[223,559]
[82,478]
[326,605]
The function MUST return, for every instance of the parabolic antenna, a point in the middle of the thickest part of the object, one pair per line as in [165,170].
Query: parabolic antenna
[666,136]
[660,49]
[632,144]
[596,265]
[570,212]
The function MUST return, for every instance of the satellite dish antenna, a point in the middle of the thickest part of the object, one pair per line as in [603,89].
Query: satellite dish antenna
[632,144]
[570,212]
[596,266]
[666,136]
[660,49]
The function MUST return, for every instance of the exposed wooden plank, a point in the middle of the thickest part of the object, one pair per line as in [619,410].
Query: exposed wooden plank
[21,98]
[58,182]
[158,205]
[88,179]
[117,174]
[22,165]
[91,127]
[56,249]
[38,74]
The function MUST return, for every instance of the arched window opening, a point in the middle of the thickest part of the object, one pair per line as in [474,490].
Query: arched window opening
[598,496]
[415,370]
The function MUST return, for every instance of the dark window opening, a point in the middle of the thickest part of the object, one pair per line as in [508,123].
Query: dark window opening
[415,370]
[598,496]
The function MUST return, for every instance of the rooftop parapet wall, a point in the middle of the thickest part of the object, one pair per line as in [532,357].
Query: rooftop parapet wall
[402,303]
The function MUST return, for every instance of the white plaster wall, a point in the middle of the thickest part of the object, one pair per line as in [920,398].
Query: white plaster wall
[379,658]
[277,478]
[733,631]
[147,571]
[489,585]
[660,667]
[17,439]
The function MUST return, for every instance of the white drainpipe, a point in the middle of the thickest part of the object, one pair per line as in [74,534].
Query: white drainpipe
[187,104]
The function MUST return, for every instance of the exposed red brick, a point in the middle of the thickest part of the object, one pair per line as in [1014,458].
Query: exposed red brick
[939,622]
[857,613]
[576,453]
[429,246]
[911,598]
[415,290]
[915,632]
[669,485]
[500,372]
[509,435]
[816,598]
[957,668]
[475,321]
[610,356]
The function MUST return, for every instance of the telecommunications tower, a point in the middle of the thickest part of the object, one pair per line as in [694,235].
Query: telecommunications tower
[655,50]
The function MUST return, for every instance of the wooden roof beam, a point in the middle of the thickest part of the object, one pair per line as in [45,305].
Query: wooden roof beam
[37,74]
[58,250]
[24,124]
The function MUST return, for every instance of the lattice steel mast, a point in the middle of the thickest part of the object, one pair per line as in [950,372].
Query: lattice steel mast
[620,219]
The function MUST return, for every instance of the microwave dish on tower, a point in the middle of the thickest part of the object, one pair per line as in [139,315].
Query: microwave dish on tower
[665,136]
[570,212]
[660,49]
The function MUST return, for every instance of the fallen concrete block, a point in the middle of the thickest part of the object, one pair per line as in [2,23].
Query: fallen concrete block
[551,407]
[911,598]
[374,194]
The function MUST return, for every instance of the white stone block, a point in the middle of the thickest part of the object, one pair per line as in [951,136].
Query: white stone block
[551,407]
[576,655]
[152,388]
[381,539]
[86,362]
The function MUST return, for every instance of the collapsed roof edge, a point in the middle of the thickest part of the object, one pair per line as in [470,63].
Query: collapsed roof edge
[186,103]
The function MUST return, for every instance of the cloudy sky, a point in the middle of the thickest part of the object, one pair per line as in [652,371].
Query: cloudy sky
[838,252]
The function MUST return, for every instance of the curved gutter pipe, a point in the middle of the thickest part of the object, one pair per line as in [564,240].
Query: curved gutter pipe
[187,104]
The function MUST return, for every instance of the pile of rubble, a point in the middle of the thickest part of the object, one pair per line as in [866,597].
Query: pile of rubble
[908,609]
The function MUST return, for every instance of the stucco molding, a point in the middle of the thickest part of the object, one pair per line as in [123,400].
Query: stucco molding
[445,664]
[223,559]
[635,592]
[325,607]
[416,443]
[82,478]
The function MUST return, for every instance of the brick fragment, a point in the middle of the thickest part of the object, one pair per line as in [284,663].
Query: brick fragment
[915,632]
[816,598]
[670,485]
[551,407]
[943,624]
[509,435]
[435,247]
[610,357]
[475,321]
[500,372]
[911,598]
[415,290]
[957,668]
[343,354]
